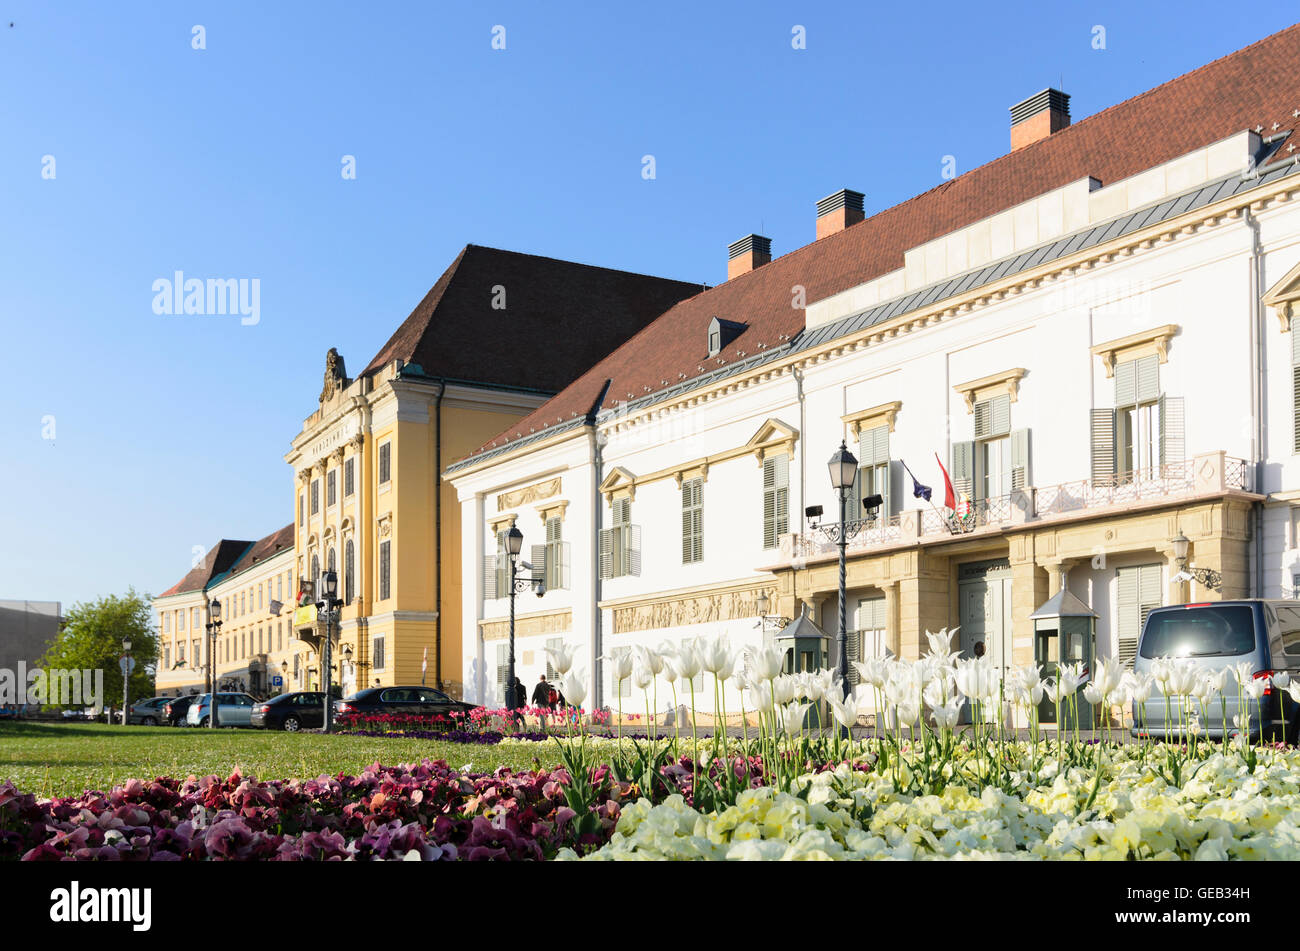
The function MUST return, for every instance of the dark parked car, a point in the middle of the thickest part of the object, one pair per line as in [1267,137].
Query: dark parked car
[291,712]
[175,711]
[405,701]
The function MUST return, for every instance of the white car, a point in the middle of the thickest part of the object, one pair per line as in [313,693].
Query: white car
[233,709]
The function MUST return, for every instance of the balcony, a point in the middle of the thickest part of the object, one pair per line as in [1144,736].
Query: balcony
[1207,474]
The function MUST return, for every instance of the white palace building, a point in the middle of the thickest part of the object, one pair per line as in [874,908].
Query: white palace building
[1093,333]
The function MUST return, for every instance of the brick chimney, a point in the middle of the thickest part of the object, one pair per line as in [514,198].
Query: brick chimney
[1038,117]
[836,212]
[751,251]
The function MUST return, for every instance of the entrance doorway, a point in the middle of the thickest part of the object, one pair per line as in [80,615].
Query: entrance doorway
[984,612]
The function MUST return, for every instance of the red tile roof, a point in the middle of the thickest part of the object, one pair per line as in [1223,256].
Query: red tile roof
[230,557]
[1243,90]
[559,318]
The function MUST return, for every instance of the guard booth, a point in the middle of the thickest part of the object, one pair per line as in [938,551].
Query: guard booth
[1065,632]
[806,647]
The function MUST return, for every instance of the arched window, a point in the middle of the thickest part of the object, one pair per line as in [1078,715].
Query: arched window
[329,561]
[349,571]
[315,569]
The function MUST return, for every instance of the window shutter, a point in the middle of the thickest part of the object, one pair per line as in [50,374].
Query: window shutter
[1171,430]
[541,566]
[1019,459]
[1126,383]
[1149,593]
[1103,446]
[983,419]
[1001,413]
[622,511]
[633,560]
[776,487]
[607,553]
[1148,379]
[1295,400]
[564,565]
[853,645]
[963,468]
[1128,615]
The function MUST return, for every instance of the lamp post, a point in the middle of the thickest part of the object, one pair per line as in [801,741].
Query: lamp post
[214,631]
[126,678]
[284,676]
[518,584]
[843,466]
[328,605]
[764,604]
[1205,576]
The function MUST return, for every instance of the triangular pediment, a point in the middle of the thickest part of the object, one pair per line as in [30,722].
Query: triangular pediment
[773,436]
[619,479]
[1284,297]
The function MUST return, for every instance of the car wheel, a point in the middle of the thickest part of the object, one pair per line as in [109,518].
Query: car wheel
[149,721]
[203,722]
[292,724]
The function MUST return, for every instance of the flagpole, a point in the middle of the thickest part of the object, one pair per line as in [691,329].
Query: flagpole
[915,481]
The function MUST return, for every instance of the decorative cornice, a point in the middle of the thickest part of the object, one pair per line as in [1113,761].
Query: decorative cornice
[773,434]
[548,510]
[619,482]
[884,414]
[1156,340]
[995,384]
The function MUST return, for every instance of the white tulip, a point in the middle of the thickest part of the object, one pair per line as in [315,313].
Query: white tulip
[790,717]
[717,657]
[688,662]
[620,665]
[1281,679]
[765,662]
[575,688]
[1293,688]
[561,657]
[947,714]
[642,676]
[845,711]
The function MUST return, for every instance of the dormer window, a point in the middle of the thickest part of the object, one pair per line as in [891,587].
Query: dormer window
[721,333]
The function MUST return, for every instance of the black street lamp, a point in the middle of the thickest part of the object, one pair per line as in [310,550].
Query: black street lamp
[843,468]
[284,676]
[126,679]
[328,606]
[518,584]
[1205,576]
[214,631]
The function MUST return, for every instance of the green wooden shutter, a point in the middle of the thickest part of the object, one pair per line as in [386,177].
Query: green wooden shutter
[542,563]
[1128,614]
[1172,444]
[983,419]
[1019,459]
[607,553]
[1126,383]
[1103,446]
[632,561]
[776,499]
[963,469]
[1147,382]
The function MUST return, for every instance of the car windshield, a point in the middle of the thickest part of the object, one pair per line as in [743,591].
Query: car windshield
[1226,631]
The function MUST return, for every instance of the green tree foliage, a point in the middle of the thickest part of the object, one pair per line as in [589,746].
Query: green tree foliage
[91,638]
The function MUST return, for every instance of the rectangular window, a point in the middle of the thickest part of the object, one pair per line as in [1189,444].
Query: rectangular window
[385,462]
[377,653]
[315,496]
[331,487]
[503,668]
[996,462]
[180,620]
[620,545]
[1139,592]
[498,580]
[167,622]
[624,687]
[873,475]
[279,588]
[349,477]
[556,555]
[194,618]
[692,521]
[259,597]
[195,653]
[180,652]
[279,636]
[385,570]
[167,657]
[868,638]
[776,499]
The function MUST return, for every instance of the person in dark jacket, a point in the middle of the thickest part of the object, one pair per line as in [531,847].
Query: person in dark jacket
[542,693]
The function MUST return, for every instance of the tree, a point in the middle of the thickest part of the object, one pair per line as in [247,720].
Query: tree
[91,639]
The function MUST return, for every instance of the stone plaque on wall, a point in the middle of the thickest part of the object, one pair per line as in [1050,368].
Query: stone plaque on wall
[528,494]
[695,609]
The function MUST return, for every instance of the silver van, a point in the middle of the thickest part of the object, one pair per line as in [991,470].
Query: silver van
[1218,634]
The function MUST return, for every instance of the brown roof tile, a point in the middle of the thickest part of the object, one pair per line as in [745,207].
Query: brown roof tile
[559,319]
[1240,91]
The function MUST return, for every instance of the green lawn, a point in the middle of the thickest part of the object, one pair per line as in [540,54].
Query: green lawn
[51,759]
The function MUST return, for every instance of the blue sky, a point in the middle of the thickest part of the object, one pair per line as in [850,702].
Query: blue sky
[225,162]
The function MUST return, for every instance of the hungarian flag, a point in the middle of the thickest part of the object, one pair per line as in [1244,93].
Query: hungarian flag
[949,496]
